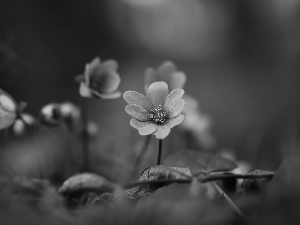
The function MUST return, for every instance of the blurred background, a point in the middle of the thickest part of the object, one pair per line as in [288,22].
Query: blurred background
[241,59]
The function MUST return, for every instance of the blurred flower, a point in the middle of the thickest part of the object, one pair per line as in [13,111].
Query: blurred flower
[166,72]
[23,122]
[100,80]
[197,123]
[54,113]
[157,112]
[92,128]
[8,110]
[11,114]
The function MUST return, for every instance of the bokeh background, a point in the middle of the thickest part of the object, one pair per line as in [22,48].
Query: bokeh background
[241,59]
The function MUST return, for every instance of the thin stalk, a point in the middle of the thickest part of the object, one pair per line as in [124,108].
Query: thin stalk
[85,136]
[159,151]
[229,201]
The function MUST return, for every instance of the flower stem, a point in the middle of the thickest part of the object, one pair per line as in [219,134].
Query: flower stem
[139,158]
[85,136]
[159,151]
[229,201]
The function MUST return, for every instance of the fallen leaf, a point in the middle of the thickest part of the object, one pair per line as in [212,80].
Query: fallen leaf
[198,161]
[85,188]
[159,172]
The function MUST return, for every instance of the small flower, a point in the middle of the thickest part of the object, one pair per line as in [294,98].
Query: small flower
[100,80]
[23,122]
[54,113]
[166,72]
[157,112]
[8,110]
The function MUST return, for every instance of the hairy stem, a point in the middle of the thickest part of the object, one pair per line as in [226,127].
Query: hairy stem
[159,151]
[85,136]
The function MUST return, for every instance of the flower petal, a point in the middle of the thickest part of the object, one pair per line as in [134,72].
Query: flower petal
[137,112]
[166,70]
[177,81]
[150,77]
[173,96]
[162,132]
[8,103]
[6,119]
[145,128]
[157,93]
[191,104]
[85,91]
[110,65]
[90,69]
[174,108]
[80,78]
[113,95]
[175,121]
[148,129]
[138,124]
[105,82]
[132,97]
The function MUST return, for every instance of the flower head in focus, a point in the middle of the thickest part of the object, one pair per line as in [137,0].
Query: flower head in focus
[100,80]
[166,72]
[157,112]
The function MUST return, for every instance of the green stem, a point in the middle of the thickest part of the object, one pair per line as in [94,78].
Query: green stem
[85,136]
[159,151]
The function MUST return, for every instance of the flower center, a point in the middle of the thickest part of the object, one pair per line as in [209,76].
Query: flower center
[158,115]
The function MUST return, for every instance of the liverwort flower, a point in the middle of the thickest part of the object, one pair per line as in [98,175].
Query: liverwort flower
[8,110]
[23,122]
[54,113]
[100,80]
[157,112]
[11,114]
[166,72]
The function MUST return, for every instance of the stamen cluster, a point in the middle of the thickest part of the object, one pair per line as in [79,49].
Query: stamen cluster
[158,115]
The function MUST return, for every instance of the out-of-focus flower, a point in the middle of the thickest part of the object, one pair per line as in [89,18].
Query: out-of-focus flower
[100,80]
[166,72]
[54,113]
[11,114]
[23,121]
[8,110]
[157,112]
[197,123]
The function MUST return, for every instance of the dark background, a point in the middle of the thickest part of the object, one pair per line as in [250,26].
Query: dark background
[241,59]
